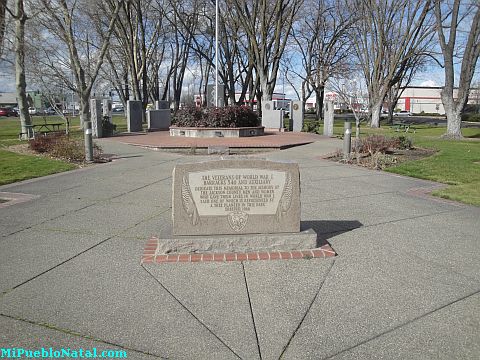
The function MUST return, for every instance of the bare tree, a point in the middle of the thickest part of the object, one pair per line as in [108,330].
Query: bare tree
[20,18]
[268,25]
[448,21]
[3,14]
[68,24]
[322,42]
[386,38]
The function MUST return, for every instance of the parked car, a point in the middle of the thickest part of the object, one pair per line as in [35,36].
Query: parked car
[402,113]
[8,112]
[118,109]
[49,111]
[32,111]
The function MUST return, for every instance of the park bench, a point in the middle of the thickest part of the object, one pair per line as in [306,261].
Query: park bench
[44,129]
[403,126]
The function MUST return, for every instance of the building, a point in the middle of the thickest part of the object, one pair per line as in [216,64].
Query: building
[8,99]
[418,99]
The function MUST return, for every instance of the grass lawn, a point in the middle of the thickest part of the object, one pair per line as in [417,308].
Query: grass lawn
[456,163]
[15,167]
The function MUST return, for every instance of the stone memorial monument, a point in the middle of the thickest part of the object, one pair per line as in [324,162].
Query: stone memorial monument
[159,119]
[134,115]
[271,119]
[96,117]
[107,109]
[328,118]
[211,95]
[297,114]
[162,104]
[237,205]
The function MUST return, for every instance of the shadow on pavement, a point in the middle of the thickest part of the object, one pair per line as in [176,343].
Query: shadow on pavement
[327,229]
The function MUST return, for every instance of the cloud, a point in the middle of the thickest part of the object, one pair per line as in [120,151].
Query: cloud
[429,83]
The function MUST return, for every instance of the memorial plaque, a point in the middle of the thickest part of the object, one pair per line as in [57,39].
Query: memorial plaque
[236,197]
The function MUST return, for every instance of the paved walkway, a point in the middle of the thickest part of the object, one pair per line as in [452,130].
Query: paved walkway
[405,283]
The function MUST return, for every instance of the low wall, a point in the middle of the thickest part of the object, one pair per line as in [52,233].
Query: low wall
[201,132]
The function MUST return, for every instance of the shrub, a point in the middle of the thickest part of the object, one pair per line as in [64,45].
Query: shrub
[377,144]
[62,146]
[404,143]
[43,144]
[230,116]
[471,117]
[310,126]
[189,116]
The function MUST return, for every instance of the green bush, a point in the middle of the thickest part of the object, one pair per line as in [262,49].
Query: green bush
[404,143]
[225,117]
[473,117]
[310,126]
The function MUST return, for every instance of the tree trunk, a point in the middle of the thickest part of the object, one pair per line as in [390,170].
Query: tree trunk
[319,97]
[454,119]
[20,82]
[85,108]
[376,110]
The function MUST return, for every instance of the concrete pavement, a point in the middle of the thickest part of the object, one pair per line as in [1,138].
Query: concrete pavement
[405,283]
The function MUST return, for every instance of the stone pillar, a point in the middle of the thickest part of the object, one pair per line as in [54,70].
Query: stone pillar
[297,115]
[134,115]
[211,95]
[162,105]
[159,119]
[107,108]
[96,117]
[271,119]
[328,118]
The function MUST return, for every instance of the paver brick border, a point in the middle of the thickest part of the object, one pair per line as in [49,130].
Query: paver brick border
[151,255]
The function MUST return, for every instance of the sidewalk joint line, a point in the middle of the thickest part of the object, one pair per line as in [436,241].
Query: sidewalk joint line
[251,310]
[74,333]
[403,324]
[308,309]
[190,312]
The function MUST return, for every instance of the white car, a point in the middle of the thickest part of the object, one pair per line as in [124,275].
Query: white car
[32,111]
[402,113]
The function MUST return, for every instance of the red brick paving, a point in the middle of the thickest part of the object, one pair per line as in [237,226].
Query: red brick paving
[162,139]
[149,257]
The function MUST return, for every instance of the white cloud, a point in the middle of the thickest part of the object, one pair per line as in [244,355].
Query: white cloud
[429,83]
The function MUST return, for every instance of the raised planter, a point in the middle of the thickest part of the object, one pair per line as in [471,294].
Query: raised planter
[201,132]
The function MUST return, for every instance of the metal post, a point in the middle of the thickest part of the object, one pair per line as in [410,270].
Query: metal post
[347,139]
[88,142]
[216,53]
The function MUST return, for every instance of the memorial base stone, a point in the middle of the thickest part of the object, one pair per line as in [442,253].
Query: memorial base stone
[239,243]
